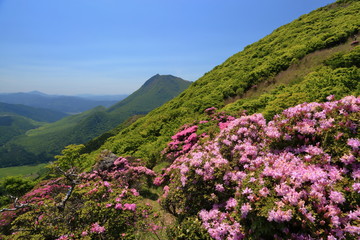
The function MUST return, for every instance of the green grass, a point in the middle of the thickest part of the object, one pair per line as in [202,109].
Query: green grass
[30,171]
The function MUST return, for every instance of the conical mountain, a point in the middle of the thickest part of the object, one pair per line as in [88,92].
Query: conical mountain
[152,94]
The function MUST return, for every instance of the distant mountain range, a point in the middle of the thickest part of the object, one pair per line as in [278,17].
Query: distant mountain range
[42,143]
[37,114]
[16,119]
[65,104]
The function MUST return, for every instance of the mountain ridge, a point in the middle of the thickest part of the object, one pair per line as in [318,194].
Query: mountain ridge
[61,103]
[37,114]
[49,139]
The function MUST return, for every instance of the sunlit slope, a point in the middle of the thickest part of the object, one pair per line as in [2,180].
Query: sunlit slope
[325,28]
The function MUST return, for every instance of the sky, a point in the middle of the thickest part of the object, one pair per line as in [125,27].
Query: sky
[113,46]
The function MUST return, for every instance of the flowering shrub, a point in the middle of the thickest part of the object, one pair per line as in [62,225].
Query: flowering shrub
[297,176]
[104,204]
[189,135]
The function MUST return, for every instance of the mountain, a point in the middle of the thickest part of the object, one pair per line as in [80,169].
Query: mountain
[96,97]
[65,104]
[14,125]
[37,114]
[155,91]
[209,167]
[16,119]
[303,61]
[47,140]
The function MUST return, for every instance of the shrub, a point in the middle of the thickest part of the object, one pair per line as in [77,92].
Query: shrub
[297,176]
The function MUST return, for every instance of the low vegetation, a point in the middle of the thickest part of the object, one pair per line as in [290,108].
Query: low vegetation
[258,148]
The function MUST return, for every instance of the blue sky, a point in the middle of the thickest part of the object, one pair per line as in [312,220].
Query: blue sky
[113,46]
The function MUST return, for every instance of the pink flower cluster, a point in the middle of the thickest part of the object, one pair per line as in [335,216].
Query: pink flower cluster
[125,172]
[182,142]
[302,168]
[126,206]
[220,225]
[104,191]
[96,228]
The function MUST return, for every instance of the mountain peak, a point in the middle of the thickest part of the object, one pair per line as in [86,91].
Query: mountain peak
[37,93]
[159,77]
[157,89]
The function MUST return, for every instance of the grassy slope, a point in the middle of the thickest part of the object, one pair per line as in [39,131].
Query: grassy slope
[260,62]
[12,125]
[21,171]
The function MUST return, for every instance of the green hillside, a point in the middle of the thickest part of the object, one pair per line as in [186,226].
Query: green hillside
[14,125]
[200,167]
[16,119]
[47,140]
[305,60]
[37,114]
[155,92]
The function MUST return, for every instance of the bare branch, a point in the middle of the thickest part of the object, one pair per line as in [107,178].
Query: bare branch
[16,206]
[61,205]
[71,176]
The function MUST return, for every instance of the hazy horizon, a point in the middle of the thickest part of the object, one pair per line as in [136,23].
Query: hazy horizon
[112,47]
[76,94]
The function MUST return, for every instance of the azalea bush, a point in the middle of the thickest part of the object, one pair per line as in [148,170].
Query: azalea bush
[102,204]
[296,176]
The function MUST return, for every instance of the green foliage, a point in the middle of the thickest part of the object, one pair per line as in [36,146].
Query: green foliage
[71,157]
[189,228]
[345,60]
[16,186]
[340,77]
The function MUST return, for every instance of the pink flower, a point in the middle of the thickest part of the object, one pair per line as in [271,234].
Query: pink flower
[348,159]
[245,209]
[336,197]
[231,203]
[63,237]
[264,191]
[247,191]
[118,206]
[96,228]
[280,216]
[158,181]
[356,187]
[107,184]
[219,188]
[330,97]
[130,206]
[354,143]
